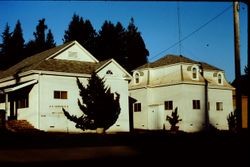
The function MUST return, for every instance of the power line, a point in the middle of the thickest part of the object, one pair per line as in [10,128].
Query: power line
[192,33]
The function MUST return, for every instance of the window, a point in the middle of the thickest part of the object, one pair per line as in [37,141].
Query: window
[219,79]
[137,107]
[219,106]
[137,77]
[194,73]
[72,54]
[168,105]
[109,72]
[60,94]
[196,104]
[23,103]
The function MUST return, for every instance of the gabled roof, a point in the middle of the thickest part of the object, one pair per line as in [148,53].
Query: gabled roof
[45,61]
[31,62]
[69,66]
[174,59]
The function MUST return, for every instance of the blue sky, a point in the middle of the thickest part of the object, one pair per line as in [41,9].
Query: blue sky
[157,22]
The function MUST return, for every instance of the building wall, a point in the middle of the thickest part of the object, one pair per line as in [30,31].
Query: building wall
[140,118]
[219,118]
[51,117]
[182,95]
[31,113]
[51,114]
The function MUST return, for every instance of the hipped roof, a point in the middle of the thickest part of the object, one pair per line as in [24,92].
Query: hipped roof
[174,59]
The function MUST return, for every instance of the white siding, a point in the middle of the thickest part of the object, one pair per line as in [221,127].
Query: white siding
[168,83]
[31,113]
[51,114]
[76,53]
[219,118]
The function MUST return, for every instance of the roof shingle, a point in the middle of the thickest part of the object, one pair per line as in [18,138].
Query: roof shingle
[43,62]
[174,59]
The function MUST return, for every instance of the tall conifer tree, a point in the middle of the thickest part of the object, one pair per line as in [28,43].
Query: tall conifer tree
[42,40]
[100,107]
[136,51]
[17,43]
[81,31]
[5,48]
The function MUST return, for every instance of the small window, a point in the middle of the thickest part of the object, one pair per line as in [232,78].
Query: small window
[137,78]
[72,54]
[219,79]
[23,103]
[196,104]
[137,107]
[168,105]
[109,72]
[219,106]
[60,94]
[194,73]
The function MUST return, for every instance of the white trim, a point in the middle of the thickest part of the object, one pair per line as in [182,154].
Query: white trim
[128,76]
[61,73]
[20,86]
[70,45]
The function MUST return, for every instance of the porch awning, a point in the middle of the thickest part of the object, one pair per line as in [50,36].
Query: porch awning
[20,86]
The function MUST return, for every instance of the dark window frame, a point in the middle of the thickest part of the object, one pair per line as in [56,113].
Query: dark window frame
[168,105]
[60,94]
[23,102]
[196,105]
[194,73]
[137,107]
[219,106]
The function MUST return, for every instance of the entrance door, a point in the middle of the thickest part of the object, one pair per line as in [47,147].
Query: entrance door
[155,117]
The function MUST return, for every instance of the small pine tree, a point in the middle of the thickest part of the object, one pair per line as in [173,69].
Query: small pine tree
[100,107]
[232,121]
[174,119]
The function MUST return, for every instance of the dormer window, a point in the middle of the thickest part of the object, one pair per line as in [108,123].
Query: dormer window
[137,77]
[194,73]
[219,78]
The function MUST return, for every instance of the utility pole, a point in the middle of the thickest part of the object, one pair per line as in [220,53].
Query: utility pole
[237,63]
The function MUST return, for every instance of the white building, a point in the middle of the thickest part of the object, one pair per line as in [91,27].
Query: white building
[37,88]
[176,81]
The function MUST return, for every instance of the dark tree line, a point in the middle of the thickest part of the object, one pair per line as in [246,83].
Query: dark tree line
[125,45]
[14,49]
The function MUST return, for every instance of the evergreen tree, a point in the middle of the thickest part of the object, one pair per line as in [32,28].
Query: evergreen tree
[50,42]
[136,51]
[110,42]
[17,43]
[40,37]
[100,107]
[244,82]
[174,120]
[81,31]
[232,121]
[5,48]
[42,40]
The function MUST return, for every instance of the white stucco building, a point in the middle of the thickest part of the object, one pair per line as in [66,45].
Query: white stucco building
[176,81]
[37,88]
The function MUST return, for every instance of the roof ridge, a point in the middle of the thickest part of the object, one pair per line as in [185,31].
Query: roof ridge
[171,59]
